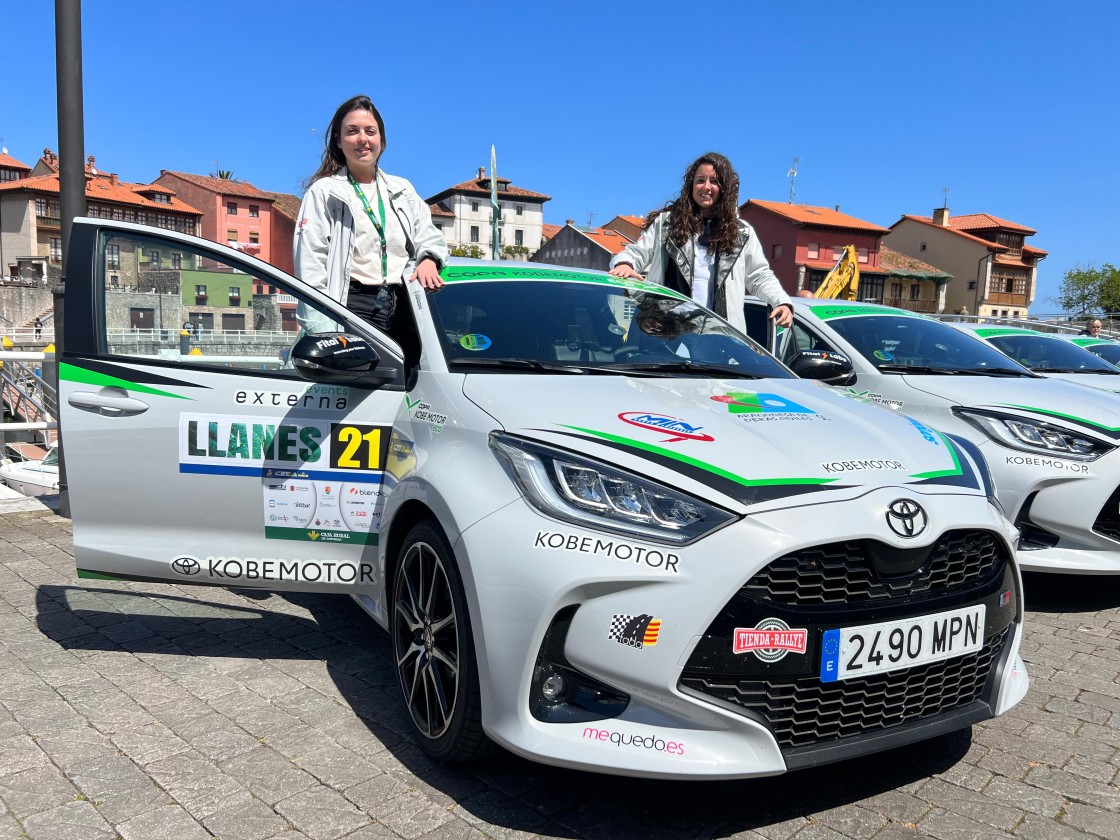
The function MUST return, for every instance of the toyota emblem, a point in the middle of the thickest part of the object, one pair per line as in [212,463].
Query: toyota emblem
[906,518]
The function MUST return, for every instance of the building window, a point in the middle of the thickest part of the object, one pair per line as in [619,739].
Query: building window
[922,247]
[439,225]
[254,238]
[254,211]
[814,251]
[520,210]
[896,291]
[231,208]
[776,252]
[176,261]
[56,249]
[519,237]
[474,206]
[474,233]
[971,285]
[200,295]
[154,259]
[231,238]
[914,292]
[862,255]
[113,257]
[837,252]
[234,295]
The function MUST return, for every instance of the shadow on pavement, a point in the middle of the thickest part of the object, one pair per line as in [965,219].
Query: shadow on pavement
[505,791]
[1052,593]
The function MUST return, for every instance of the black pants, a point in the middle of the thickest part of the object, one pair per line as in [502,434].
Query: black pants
[389,312]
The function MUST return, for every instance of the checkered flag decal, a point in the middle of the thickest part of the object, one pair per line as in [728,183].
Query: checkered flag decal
[634,630]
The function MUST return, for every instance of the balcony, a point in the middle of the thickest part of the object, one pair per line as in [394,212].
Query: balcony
[48,222]
[1006,299]
[925,306]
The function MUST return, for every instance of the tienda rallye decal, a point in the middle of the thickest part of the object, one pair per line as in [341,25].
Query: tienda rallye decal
[676,428]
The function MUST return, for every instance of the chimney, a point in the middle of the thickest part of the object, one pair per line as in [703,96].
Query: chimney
[569,221]
[113,178]
[481,172]
[941,217]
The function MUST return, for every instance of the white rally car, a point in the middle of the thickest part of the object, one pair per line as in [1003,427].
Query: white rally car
[1051,355]
[1051,444]
[601,528]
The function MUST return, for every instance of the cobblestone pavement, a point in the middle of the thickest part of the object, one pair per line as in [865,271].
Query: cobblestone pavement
[157,711]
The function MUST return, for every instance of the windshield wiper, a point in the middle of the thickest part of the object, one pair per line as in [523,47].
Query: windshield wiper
[1074,370]
[936,371]
[682,366]
[516,364]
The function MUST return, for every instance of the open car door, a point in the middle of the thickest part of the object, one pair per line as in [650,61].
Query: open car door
[199,455]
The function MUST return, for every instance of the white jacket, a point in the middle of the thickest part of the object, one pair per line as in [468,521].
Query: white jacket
[324,238]
[743,272]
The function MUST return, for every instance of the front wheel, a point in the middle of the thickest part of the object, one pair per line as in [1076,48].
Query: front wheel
[434,650]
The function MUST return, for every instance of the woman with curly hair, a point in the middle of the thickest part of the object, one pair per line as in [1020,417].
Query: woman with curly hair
[700,247]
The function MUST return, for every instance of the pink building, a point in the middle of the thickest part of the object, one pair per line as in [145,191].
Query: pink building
[234,213]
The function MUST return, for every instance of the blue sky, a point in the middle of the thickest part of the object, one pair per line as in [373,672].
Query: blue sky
[1012,106]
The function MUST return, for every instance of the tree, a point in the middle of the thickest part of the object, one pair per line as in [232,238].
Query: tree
[514,252]
[1090,289]
[471,250]
[224,174]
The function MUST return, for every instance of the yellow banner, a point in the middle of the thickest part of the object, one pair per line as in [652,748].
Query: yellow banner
[842,283]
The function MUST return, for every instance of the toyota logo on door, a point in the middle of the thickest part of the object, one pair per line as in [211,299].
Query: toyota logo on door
[906,518]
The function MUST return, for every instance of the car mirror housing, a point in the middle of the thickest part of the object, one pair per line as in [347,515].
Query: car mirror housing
[827,366]
[336,358]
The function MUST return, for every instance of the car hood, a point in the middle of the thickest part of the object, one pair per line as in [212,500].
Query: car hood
[1053,398]
[765,443]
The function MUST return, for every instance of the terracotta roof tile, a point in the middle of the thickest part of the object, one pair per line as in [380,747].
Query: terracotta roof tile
[102,189]
[440,210]
[986,221]
[609,240]
[548,231]
[898,264]
[286,204]
[1038,252]
[481,186]
[806,214]
[221,186]
[639,221]
[11,163]
[926,220]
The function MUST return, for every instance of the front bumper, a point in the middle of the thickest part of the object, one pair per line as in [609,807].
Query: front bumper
[688,713]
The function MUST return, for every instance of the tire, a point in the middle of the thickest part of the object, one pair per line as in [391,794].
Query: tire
[433,648]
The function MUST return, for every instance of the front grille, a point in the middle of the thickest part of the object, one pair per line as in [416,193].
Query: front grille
[847,572]
[804,711]
[1107,523]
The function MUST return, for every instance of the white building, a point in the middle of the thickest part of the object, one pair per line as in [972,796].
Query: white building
[463,213]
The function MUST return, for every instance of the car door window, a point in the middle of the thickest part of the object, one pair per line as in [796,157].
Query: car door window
[199,310]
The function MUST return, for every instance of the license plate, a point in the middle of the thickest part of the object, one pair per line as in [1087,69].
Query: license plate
[852,652]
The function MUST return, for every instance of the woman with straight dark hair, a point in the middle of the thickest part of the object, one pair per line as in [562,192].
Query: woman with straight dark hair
[698,245]
[361,232]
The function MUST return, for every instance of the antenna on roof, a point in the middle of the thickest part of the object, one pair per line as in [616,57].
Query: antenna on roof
[945,190]
[591,214]
[792,175]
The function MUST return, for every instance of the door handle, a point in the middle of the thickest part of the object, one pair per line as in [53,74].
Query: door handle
[106,404]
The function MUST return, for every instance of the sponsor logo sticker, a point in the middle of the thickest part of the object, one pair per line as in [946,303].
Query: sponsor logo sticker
[674,427]
[856,466]
[769,640]
[186,565]
[629,739]
[1051,463]
[758,406]
[475,342]
[654,558]
[635,631]
[275,569]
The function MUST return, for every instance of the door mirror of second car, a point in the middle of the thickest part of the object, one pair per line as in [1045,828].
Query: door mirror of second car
[827,366]
[335,358]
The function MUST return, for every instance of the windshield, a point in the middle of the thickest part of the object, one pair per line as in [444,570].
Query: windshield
[1050,355]
[894,343]
[1108,352]
[588,327]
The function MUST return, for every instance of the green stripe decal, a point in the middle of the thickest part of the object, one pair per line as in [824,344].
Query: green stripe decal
[86,574]
[827,312]
[460,273]
[956,470]
[73,373]
[1071,417]
[693,462]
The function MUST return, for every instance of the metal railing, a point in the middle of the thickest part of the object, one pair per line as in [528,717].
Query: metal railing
[27,395]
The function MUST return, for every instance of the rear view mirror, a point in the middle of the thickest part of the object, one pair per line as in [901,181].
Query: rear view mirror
[336,358]
[826,366]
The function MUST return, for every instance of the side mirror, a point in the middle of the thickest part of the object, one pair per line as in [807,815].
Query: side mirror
[826,366]
[334,358]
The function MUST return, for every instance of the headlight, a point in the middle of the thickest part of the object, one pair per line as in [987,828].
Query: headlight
[1034,435]
[594,495]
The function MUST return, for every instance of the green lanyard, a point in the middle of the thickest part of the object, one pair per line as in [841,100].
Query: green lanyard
[380,225]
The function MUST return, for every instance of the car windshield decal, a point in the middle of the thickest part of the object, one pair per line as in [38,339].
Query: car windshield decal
[1111,431]
[842,310]
[987,332]
[86,375]
[460,273]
